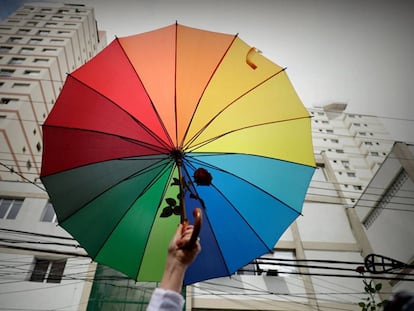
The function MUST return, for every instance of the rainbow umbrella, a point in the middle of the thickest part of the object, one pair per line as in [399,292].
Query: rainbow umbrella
[134,125]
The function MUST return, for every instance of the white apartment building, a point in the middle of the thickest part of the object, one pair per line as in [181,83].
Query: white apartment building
[312,266]
[42,267]
[386,210]
[327,241]
[39,45]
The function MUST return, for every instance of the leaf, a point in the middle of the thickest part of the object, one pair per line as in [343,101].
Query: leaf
[361,304]
[176,182]
[171,201]
[378,287]
[166,212]
[177,210]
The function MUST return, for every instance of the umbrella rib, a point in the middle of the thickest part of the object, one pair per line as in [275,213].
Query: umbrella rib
[119,107]
[127,210]
[155,215]
[202,93]
[135,174]
[229,105]
[175,83]
[137,142]
[152,103]
[244,180]
[203,143]
[206,216]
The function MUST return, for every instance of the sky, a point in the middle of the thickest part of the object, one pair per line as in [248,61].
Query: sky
[356,52]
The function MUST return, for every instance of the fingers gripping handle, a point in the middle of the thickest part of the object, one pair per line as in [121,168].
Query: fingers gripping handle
[198,219]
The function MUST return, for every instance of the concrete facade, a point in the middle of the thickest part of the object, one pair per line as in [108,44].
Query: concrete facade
[42,267]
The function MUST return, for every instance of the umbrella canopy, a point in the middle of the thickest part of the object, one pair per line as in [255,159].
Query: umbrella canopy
[133,125]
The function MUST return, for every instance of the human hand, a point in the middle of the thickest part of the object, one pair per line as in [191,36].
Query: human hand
[179,248]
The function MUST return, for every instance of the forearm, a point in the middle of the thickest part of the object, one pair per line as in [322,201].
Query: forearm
[173,275]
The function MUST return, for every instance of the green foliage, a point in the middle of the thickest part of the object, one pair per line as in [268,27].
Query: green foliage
[369,303]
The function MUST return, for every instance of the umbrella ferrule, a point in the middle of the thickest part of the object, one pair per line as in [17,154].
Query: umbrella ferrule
[177,155]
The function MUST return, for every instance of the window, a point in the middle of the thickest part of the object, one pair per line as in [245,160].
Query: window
[38,146]
[374,153]
[41,60]
[49,50]
[5,49]
[43,32]
[271,264]
[7,100]
[9,208]
[51,25]
[26,50]
[274,264]
[357,187]
[351,174]
[335,141]
[32,73]
[339,151]
[50,271]
[367,143]
[35,41]
[20,85]
[345,163]
[6,72]
[48,214]
[14,39]
[23,31]
[17,61]
[31,23]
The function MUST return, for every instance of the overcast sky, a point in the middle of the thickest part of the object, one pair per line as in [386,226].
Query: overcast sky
[357,52]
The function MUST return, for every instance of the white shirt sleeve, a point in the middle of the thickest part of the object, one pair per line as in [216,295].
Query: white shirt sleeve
[165,300]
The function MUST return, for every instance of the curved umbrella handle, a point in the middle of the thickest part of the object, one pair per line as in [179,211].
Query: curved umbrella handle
[198,219]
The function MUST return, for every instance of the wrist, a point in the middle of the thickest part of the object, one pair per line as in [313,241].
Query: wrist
[173,275]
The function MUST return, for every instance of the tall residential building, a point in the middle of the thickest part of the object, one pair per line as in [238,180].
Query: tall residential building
[41,266]
[386,210]
[39,45]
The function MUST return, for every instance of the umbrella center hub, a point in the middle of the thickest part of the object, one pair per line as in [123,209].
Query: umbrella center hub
[177,155]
